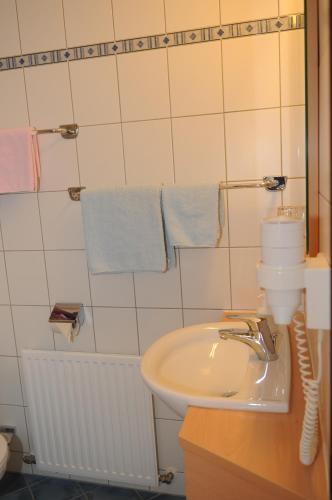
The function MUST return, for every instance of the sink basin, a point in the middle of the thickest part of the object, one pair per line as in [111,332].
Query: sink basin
[193,367]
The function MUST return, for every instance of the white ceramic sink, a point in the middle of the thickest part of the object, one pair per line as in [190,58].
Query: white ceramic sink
[193,367]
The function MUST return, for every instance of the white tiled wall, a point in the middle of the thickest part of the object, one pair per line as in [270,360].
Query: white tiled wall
[207,112]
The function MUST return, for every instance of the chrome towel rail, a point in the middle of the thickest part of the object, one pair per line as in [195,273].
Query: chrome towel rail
[270,183]
[69,131]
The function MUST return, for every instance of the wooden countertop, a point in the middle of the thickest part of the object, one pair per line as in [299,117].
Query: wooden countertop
[258,447]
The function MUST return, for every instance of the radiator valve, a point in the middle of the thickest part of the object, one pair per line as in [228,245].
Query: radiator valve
[167,477]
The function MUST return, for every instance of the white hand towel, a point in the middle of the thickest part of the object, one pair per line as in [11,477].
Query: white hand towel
[124,230]
[193,215]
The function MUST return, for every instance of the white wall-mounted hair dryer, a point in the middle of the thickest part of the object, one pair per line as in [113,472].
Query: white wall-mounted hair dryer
[281,270]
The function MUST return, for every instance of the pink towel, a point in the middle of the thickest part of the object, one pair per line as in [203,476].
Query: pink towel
[19,160]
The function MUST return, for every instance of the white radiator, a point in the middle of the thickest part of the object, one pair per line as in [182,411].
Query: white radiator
[91,416]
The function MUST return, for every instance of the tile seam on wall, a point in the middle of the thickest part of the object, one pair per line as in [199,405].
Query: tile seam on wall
[174,117]
[226,174]
[130,45]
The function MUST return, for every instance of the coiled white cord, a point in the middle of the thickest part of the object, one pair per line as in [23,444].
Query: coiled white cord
[310,386]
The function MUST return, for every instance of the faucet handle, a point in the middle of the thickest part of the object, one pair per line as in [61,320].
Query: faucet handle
[244,315]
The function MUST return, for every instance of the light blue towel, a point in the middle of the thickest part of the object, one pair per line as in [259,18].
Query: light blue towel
[193,215]
[124,230]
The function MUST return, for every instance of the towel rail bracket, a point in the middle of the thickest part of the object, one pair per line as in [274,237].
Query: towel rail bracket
[75,193]
[69,131]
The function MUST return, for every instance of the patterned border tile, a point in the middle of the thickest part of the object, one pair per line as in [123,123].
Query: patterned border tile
[257,27]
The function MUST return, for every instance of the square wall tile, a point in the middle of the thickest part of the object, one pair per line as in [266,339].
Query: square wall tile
[9,36]
[116,330]
[148,152]
[88,21]
[143,80]
[32,329]
[205,278]
[49,97]
[136,18]
[251,72]
[195,79]
[13,103]
[67,275]
[91,107]
[290,7]
[292,67]
[61,222]
[14,415]
[59,162]
[10,391]
[27,278]
[41,25]
[246,209]
[20,221]
[187,14]
[325,228]
[245,289]
[4,295]
[116,290]
[169,450]
[295,192]
[7,339]
[247,10]
[198,316]
[253,144]
[85,340]
[154,323]
[100,156]
[293,141]
[199,153]
[158,289]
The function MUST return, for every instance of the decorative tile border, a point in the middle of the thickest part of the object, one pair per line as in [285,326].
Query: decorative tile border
[258,27]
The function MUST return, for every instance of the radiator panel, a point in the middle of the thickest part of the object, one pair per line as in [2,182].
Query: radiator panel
[91,416]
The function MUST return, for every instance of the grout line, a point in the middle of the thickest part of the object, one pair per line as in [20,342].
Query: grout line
[71,93]
[175,117]
[41,231]
[18,26]
[15,341]
[82,249]
[74,119]
[226,175]
[136,315]
[125,174]
[64,23]
[130,308]
[178,257]
[280,109]
[120,104]
[170,101]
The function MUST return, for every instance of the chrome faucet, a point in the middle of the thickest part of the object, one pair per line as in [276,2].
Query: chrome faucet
[256,333]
